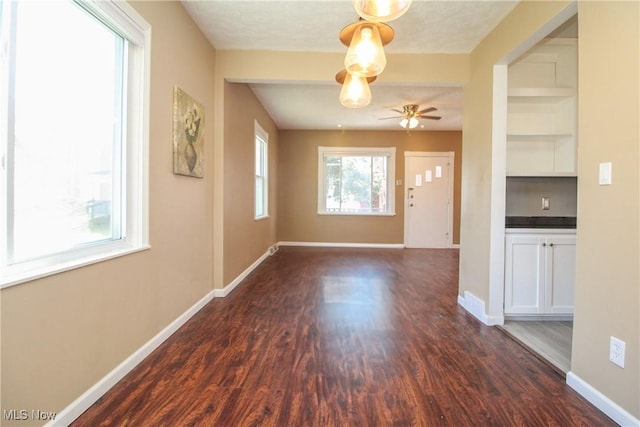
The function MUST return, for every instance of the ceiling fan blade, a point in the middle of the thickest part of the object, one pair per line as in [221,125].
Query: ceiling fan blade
[397,111]
[427,110]
[393,117]
[431,117]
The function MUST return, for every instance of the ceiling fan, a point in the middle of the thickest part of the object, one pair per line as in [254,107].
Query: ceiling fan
[410,115]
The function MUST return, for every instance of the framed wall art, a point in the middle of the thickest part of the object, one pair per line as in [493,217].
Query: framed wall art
[188,135]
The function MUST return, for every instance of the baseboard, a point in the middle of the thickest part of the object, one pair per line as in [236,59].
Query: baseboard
[476,307]
[88,398]
[602,402]
[539,317]
[221,293]
[473,305]
[345,245]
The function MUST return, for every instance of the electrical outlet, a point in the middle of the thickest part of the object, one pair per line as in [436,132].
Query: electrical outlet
[545,204]
[616,351]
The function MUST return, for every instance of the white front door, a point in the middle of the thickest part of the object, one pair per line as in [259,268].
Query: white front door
[428,206]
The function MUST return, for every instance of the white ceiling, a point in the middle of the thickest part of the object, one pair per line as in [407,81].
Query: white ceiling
[450,26]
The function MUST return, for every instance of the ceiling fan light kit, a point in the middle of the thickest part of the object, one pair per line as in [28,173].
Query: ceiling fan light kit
[381,10]
[410,123]
[410,115]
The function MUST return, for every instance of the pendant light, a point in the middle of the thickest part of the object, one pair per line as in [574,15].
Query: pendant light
[381,10]
[355,92]
[365,56]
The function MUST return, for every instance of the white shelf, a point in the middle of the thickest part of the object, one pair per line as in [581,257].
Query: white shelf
[542,174]
[541,112]
[533,137]
[541,94]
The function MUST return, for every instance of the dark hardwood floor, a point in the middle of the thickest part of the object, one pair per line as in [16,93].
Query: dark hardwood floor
[342,337]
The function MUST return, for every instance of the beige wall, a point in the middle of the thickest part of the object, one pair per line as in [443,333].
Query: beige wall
[608,282]
[63,333]
[314,67]
[298,220]
[475,237]
[245,239]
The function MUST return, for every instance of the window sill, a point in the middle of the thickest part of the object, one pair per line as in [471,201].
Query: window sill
[260,218]
[357,213]
[7,281]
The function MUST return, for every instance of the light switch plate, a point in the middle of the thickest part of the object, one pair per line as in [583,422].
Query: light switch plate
[605,174]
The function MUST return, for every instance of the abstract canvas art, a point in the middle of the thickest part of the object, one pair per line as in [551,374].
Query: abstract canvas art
[188,135]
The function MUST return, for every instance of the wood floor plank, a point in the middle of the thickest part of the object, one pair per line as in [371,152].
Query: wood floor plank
[342,337]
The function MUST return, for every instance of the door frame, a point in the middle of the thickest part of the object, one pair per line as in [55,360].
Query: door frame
[450,155]
[495,303]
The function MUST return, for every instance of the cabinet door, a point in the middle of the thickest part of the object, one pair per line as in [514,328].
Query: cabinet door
[560,274]
[524,275]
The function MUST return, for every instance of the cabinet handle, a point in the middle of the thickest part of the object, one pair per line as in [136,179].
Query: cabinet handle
[544,244]
[550,244]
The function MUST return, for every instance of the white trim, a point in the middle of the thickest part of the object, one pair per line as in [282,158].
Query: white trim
[125,21]
[498,191]
[389,152]
[344,245]
[600,401]
[7,281]
[88,398]
[450,156]
[498,159]
[539,317]
[476,307]
[221,293]
[261,135]
[358,213]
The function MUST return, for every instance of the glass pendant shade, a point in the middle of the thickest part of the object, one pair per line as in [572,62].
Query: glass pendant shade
[365,56]
[355,92]
[381,10]
[410,123]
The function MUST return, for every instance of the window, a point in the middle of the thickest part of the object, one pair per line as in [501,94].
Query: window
[262,181]
[356,181]
[74,152]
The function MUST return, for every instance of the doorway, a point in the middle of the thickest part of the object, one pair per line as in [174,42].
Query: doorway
[428,200]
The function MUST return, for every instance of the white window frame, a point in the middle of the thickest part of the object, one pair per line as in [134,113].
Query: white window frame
[389,152]
[261,137]
[125,21]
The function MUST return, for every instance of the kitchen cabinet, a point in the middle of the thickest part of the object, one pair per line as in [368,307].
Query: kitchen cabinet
[539,272]
[541,111]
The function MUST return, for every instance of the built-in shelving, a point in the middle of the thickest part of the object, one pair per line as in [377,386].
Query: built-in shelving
[541,114]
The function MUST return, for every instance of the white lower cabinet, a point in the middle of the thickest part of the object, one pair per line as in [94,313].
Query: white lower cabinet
[539,273]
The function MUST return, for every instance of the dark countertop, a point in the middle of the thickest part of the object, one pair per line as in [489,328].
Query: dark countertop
[540,222]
